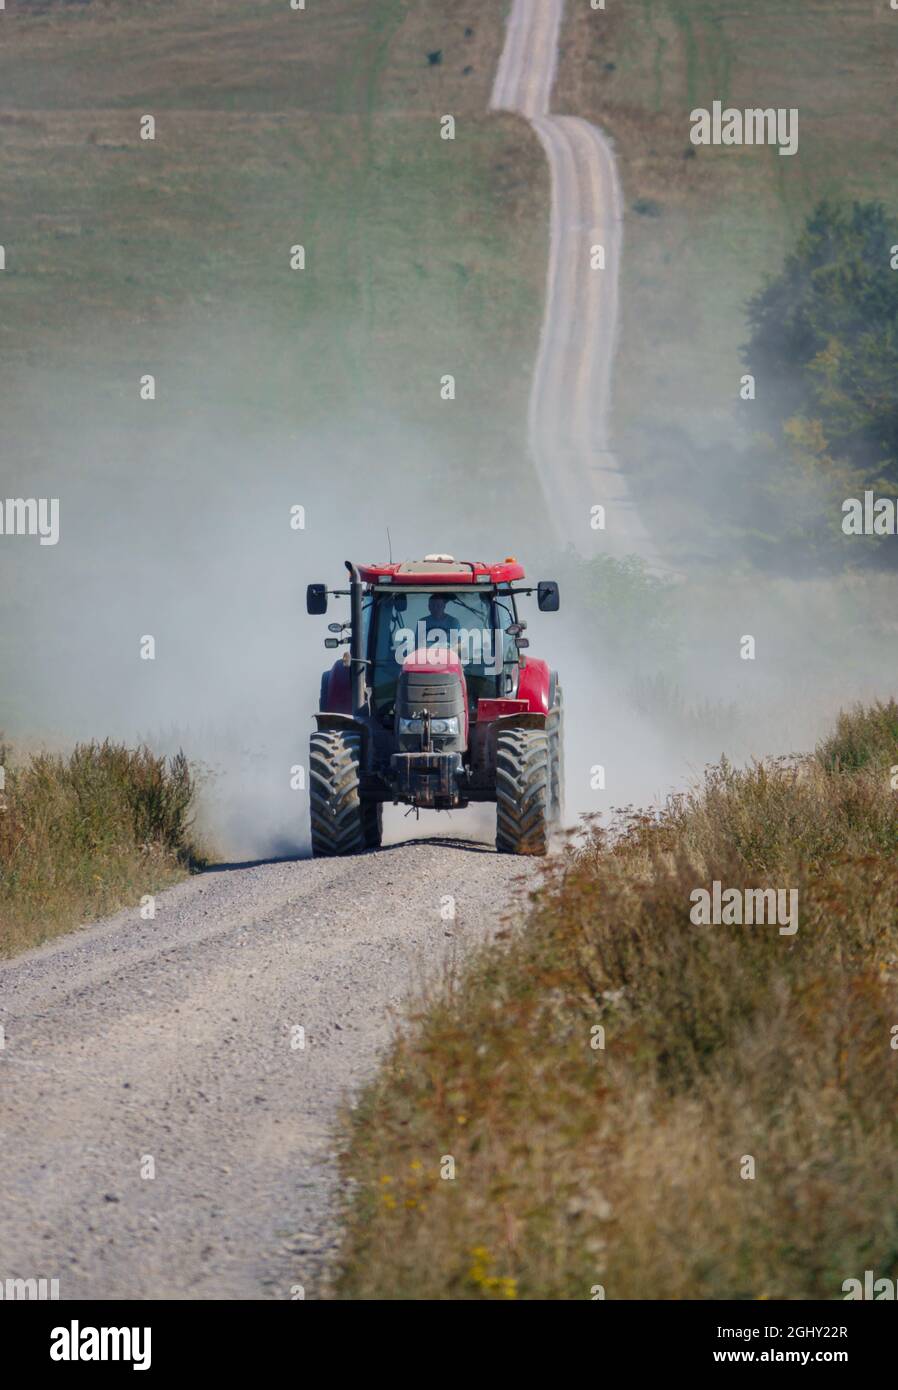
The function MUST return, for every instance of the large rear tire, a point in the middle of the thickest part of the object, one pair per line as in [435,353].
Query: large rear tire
[556,762]
[340,820]
[522,791]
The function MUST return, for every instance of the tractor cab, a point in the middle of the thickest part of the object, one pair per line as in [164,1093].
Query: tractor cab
[473,626]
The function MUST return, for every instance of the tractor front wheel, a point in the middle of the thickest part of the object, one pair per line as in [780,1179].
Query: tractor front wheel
[341,822]
[522,791]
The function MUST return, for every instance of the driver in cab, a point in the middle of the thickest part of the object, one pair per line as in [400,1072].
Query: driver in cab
[438,625]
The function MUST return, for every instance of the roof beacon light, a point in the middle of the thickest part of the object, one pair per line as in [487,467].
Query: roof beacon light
[441,559]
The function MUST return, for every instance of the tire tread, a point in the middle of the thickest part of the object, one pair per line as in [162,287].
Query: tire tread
[338,815]
[522,791]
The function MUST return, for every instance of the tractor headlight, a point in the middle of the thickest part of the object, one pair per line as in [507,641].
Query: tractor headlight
[437,726]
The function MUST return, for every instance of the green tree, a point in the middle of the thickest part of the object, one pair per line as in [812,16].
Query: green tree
[824,343]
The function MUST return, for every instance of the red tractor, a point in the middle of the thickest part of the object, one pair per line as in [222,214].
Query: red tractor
[435,704]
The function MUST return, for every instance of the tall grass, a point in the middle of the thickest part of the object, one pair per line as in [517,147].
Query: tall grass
[736,1136]
[83,835]
[863,737]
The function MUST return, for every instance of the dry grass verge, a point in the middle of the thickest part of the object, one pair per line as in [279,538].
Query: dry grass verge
[726,1049]
[83,835]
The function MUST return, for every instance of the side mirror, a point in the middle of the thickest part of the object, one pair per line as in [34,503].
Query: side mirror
[331,642]
[547,596]
[522,643]
[316,599]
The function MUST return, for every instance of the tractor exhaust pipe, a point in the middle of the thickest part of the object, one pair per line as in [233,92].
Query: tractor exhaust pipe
[357,663]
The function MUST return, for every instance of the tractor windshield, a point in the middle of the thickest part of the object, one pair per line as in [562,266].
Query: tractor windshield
[471,623]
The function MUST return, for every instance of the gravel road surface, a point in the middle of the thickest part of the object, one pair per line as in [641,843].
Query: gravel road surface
[171,1040]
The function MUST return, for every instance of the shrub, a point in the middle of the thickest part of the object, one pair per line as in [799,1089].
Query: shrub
[83,835]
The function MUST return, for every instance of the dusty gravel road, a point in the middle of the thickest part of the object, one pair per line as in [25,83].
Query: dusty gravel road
[570,401]
[171,1039]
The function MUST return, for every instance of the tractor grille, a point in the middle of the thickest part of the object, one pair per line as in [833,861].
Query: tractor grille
[437,691]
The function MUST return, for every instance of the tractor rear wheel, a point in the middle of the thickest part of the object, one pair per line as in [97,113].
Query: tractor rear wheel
[341,821]
[556,762]
[522,791]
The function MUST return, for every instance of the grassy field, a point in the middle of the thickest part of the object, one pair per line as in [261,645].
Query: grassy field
[705,225]
[274,128]
[649,1107]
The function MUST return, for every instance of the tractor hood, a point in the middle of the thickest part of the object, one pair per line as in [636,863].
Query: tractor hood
[432,701]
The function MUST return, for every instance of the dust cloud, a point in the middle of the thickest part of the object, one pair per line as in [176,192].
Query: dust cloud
[179,527]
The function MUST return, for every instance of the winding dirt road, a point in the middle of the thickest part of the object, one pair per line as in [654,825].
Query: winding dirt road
[570,399]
